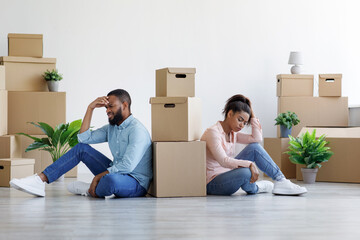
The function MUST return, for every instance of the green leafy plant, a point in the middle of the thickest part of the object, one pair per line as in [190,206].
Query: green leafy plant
[308,150]
[52,75]
[59,140]
[287,119]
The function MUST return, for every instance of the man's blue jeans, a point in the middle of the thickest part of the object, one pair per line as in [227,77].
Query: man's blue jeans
[121,185]
[229,182]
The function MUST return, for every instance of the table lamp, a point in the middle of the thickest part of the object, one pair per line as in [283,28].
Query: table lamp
[296,59]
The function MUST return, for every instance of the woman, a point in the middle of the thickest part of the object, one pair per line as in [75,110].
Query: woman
[226,174]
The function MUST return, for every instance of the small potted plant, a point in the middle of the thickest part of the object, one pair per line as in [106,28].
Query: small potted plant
[309,151]
[59,140]
[286,121]
[52,78]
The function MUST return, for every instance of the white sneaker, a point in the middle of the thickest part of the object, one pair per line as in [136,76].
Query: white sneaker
[264,186]
[285,187]
[32,185]
[79,188]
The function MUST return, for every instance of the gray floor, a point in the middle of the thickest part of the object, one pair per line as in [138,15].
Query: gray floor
[328,211]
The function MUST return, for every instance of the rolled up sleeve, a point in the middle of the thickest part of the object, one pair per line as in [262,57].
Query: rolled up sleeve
[97,136]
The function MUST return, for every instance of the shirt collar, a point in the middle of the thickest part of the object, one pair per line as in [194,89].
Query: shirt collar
[126,122]
[218,124]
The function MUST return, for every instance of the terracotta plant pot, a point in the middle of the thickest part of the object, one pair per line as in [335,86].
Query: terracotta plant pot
[309,175]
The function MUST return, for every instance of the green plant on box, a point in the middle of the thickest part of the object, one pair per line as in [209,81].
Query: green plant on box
[287,119]
[52,75]
[59,140]
[308,150]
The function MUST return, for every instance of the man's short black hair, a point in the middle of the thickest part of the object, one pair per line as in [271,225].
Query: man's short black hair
[122,95]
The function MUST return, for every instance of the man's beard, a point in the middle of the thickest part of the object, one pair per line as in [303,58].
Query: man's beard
[117,118]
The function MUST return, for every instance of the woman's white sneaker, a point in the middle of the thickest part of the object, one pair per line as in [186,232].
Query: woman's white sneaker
[32,185]
[264,186]
[286,187]
[79,188]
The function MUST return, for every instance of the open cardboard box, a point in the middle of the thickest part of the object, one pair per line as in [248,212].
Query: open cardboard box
[344,165]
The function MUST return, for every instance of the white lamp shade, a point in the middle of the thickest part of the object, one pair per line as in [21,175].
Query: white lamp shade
[296,58]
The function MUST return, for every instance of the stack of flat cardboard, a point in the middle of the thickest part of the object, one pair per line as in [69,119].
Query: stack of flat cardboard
[295,94]
[24,98]
[179,158]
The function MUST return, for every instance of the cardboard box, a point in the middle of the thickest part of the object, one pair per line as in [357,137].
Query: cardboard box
[315,111]
[42,158]
[25,45]
[15,168]
[3,112]
[175,119]
[276,147]
[179,169]
[175,82]
[24,107]
[354,115]
[292,85]
[344,165]
[2,77]
[25,73]
[330,85]
[10,146]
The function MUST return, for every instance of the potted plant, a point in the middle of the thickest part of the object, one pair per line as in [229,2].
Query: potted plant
[286,121]
[59,140]
[52,78]
[310,151]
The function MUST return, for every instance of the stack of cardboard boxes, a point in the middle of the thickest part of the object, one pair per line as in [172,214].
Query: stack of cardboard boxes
[24,98]
[179,160]
[295,93]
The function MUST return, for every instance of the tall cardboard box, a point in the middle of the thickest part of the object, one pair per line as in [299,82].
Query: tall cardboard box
[344,165]
[3,112]
[24,107]
[42,158]
[179,169]
[25,73]
[276,147]
[175,82]
[315,111]
[292,85]
[10,146]
[330,85]
[2,77]
[25,45]
[15,168]
[175,119]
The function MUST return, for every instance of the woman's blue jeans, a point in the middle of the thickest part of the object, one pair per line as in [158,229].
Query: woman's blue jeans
[229,182]
[121,185]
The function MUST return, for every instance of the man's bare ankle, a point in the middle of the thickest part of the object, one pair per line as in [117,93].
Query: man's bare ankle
[43,177]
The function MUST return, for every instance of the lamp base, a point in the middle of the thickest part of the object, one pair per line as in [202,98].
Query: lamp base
[295,69]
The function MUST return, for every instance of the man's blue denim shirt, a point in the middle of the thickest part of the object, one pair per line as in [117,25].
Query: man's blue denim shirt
[130,145]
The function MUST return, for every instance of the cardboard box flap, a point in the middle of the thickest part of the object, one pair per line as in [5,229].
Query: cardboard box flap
[294,76]
[27,59]
[336,75]
[182,70]
[168,100]
[334,132]
[23,35]
[16,161]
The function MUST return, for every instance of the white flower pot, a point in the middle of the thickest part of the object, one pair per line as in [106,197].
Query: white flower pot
[53,86]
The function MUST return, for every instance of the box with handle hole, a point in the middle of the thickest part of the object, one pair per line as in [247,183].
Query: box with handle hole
[330,85]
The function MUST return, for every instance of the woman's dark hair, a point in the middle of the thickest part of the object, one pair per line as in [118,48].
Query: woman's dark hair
[238,103]
[122,95]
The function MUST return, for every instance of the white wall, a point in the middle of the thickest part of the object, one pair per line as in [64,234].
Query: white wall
[237,46]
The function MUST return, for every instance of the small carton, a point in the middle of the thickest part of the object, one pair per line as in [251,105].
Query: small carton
[175,119]
[10,146]
[25,73]
[179,169]
[330,85]
[175,82]
[293,85]
[25,45]
[15,168]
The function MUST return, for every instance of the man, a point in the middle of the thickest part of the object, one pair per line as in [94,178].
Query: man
[128,175]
